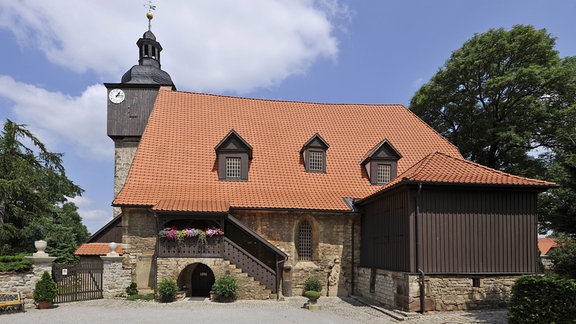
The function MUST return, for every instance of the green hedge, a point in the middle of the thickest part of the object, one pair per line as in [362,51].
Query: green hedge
[543,299]
[15,263]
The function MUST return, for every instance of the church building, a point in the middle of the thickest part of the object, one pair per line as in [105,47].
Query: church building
[367,198]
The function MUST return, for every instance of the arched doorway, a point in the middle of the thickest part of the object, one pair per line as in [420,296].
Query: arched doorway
[202,281]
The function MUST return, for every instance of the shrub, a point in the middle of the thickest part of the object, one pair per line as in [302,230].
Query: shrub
[225,287]
[563,257]
[312,294]
[132,289]
[542,299]
[167,290]
[45,289]
[312,284]
[15,263]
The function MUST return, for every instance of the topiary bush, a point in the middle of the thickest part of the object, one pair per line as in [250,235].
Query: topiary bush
[312,284]
[542,299]
[167,290]
[46,289]
[132,289]
[225,288]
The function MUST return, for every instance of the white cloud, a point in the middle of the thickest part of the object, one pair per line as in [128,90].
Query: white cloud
[225,45]
[92,218]
[61,121]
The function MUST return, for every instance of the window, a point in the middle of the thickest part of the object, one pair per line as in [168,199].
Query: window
[381,163]
[314,154]
[383,174]
[233,156]
[233,167]
[304,243]
[476,282]
[316,161]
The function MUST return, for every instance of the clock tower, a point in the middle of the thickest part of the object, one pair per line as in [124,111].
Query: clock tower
[130,103]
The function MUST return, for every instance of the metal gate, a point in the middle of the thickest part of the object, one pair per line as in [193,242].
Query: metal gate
[80,281]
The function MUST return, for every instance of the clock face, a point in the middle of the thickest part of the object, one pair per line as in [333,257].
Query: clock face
[116,95]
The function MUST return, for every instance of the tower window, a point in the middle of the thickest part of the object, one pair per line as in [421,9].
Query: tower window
[304,243]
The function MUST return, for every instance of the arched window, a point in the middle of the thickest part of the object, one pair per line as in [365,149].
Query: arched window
[304,243]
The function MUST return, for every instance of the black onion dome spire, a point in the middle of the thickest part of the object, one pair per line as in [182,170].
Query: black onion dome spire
[148,70]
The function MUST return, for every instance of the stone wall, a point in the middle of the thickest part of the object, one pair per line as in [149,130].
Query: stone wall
[19,282]
[24,283]
[115,278]
[124,152]
[180,270]
[332,246]
[458,292]
[139,244]
[443,292]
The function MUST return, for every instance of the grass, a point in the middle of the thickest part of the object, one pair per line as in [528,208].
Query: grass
[146,297]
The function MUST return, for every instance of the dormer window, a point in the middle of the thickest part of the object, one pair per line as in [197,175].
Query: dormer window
[381,163]
[233,154]
[314,154]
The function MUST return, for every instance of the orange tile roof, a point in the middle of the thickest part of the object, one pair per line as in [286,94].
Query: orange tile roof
[96,249]
[442,168]
[175,161]
[545,244]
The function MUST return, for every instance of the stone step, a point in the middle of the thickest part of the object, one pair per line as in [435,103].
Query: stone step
[250,288]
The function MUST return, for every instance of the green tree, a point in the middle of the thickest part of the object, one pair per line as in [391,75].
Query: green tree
[558,210]
[491,98]
[33,193]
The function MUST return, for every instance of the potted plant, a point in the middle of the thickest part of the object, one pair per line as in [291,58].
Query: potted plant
[312,288]
[225,288]
[167,290]
[45,291]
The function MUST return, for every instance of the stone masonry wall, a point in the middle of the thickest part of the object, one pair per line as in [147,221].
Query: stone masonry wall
[139,244]
[179,269]
[124,152]
[457,292]
[115,278]
[332,246]
[24,283]
[19,282]
[443,293]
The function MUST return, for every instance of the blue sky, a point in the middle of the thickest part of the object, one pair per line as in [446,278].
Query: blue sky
[56,55]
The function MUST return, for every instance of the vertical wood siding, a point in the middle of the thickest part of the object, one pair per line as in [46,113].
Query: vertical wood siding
[462,230]
[385,237]
[478,231]
[130,117]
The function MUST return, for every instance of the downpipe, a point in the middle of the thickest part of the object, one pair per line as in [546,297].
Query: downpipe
[421,275]
[421,281]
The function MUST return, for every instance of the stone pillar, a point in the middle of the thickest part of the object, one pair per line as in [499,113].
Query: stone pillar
[115,279]
[41,262]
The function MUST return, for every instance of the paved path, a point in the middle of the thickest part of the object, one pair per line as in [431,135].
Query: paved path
[334,310]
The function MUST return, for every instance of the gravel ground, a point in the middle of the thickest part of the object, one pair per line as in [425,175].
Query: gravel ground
[334,310]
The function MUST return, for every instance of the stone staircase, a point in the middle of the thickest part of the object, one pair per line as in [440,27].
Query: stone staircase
[248,288]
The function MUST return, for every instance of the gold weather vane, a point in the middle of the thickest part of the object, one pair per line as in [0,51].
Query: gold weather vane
[149,14]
